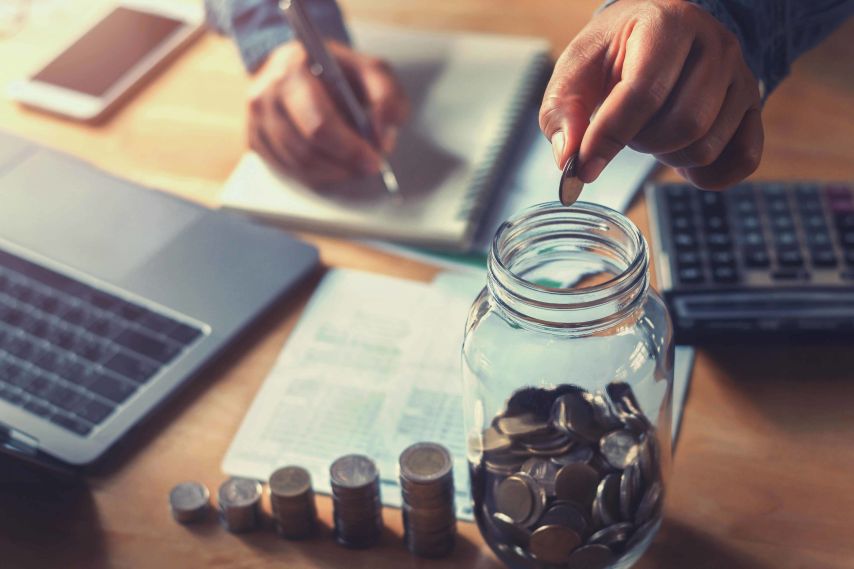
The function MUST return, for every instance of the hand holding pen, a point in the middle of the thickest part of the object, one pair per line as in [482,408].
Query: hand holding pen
[296,124]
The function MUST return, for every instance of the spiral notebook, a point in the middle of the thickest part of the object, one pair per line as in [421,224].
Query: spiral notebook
[468,92]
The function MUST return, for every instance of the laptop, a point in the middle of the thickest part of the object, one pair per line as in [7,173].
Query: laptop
[112,296]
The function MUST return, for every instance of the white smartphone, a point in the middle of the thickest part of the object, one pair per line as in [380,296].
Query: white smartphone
[102,66]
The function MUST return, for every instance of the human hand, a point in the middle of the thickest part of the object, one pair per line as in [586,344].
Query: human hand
[671,81]
[294,123]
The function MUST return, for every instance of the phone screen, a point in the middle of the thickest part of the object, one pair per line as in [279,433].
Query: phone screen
[107,51]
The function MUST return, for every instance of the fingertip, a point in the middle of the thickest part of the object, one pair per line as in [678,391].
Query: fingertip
[558,142]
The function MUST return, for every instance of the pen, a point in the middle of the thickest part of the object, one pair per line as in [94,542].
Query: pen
[325,68]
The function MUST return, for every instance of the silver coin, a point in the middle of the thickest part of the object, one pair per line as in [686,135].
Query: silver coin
[189,501]
[553,543]
[425,463]
[602,411]
[577,454]
[541,470]
[612,536]
[620,448]
[514,498]
[353,471]
[570,186]
[650,504]
[290,481]
[239,492]
[494,441]
[513,533]
[577,483]
[591,557]
[630,490]
[606,504]
[567,514]
[522,426]
[572,414]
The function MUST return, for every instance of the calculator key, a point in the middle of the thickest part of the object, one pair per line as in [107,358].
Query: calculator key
[778,206]
[753,239]
[684,241]
[681,207]
[790,275]
[722,258]
[783,223]
[678,191]
[789,257]
[680,222]
[725,274]
[847,275]
[837,191]
[746,207]
[691,275]
[841,206]
[715,223]
[111,388]
[688,258]
[847,239]
[750,222]
[844,221]
[786,238]
[849,257]
[814,221]
[773,190]
[823,257]
[806,191]
[718,240]
[819,238]
[756,258]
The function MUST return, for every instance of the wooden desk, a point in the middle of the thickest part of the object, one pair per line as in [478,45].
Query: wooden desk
[763,476]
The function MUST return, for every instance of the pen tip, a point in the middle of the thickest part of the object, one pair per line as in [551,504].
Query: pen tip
[389,179]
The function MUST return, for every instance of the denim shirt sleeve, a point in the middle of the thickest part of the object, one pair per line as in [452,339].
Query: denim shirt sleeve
[774,33]
[259,26]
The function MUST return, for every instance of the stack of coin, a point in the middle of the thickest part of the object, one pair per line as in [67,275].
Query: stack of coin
[429,510]
[239,504]
[292,502]
[568,477]
[189,502]
[357,509]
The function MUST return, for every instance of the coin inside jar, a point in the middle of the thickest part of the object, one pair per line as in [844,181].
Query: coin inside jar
[516,498]
[553,543]
[576,483]
[570,186]
[591,557]
[620,448]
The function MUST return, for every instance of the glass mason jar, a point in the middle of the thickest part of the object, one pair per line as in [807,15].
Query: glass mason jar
[568,371]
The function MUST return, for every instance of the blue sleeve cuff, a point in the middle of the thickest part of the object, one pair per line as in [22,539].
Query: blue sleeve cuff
[259,26]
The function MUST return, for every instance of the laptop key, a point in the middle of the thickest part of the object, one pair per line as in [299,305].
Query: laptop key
[37,407]
[94,411]
[110,388]
[131,367]
[185,334]
[148,346]
[72,424]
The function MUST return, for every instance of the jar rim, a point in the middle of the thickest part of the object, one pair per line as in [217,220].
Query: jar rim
[619,291]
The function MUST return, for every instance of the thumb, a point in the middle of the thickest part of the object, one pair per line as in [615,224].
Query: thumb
[576,88]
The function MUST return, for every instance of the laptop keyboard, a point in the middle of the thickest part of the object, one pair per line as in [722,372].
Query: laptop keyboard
[72,354]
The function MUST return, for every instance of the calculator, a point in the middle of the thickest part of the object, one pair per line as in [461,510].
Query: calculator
[761,260]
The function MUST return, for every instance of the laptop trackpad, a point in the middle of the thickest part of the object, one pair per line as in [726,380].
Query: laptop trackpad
[68,211]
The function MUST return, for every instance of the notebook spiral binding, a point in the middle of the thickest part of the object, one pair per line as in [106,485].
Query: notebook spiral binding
[489,171]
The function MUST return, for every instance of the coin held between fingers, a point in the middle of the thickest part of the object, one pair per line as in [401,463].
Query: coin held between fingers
[570,185]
